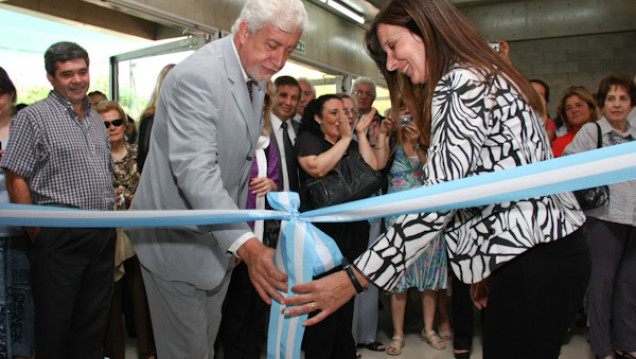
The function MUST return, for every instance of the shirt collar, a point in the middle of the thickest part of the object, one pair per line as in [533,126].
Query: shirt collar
[607,128]
[63,101]
[276,121]
[245,76]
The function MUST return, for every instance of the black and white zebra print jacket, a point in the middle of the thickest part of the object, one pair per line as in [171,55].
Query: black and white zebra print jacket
[479,125]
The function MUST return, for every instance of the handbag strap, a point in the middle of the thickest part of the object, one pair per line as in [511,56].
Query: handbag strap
[599,139]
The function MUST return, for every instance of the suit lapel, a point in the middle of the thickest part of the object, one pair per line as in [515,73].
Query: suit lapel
[250,110]
[296,126]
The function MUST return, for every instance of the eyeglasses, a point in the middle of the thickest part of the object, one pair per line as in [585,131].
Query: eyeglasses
[118,122]
[365,93]
[351,112]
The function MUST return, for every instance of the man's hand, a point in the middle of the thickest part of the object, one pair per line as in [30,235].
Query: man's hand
[32,232]
[19,193]
[261,186]
[265,277]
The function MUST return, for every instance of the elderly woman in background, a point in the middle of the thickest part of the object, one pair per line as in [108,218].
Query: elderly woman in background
[611,230]
[478,114]
[127,268]
[324,137]
[577,107]
[17,327]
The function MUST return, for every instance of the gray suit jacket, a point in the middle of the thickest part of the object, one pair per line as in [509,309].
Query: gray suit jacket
[201,150]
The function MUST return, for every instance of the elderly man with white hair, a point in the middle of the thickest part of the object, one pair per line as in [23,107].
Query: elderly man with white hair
[205,132]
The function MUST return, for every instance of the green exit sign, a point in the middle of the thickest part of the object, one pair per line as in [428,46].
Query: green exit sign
[300,47]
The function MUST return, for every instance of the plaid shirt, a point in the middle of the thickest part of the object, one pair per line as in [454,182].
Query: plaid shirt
[64,159]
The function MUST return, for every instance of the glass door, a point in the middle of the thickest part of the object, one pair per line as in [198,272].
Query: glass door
[133,74]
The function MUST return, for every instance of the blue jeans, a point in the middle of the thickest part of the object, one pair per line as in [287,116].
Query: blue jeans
[17,312]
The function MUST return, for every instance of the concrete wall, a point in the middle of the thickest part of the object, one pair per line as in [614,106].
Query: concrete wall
[565,42]
[575,60]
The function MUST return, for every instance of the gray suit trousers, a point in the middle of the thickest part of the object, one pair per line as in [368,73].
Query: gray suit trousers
[185,319]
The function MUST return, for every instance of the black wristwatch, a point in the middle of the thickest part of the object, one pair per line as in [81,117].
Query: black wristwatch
[354,280]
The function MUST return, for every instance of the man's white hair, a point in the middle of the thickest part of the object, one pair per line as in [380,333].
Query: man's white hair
[288,15]
[302,79]
[363,80]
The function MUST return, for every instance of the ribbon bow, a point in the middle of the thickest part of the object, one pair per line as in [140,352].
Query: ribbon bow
[303,251]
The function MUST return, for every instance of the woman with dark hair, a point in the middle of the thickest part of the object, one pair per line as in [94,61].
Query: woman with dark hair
[526,259]
[17,326]
[577,107]
[610,230]
[543,90]
[324,137]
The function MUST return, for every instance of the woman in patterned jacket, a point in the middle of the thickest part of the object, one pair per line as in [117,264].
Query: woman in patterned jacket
[526,260]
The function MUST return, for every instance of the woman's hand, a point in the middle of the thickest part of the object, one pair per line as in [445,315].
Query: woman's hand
[326,295]
[346,132]
[120,195]
[479,293]
[386,126]
[411,134]
[261,185]
[364,122]
[504,51]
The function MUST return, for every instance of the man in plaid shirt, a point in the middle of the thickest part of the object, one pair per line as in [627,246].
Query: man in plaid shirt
[58,154]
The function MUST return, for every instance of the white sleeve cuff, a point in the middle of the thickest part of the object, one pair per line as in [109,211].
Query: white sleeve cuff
[239,242]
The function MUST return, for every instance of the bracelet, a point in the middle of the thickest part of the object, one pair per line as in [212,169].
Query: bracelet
[354,280]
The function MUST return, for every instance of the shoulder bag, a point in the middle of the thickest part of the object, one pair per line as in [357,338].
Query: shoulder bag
[350,180]
[594,197]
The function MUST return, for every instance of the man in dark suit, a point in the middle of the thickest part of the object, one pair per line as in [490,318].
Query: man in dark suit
[206,126]
[284,130]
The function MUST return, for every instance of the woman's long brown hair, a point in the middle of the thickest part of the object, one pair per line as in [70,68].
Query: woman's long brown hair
[449,39]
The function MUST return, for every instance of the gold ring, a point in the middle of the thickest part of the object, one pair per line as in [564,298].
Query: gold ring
[313,305]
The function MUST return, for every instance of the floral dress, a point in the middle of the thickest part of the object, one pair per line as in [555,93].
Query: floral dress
[126,175]
[429,271]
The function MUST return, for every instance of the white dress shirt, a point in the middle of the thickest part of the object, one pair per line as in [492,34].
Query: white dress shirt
[278,132]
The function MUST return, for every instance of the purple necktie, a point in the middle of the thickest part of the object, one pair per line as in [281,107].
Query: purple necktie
[249,88]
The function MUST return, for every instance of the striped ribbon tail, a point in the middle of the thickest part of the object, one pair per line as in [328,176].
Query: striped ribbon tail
[303,251]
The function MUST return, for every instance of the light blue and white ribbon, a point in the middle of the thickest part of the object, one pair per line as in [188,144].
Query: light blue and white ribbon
[300,240]
[319,253]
